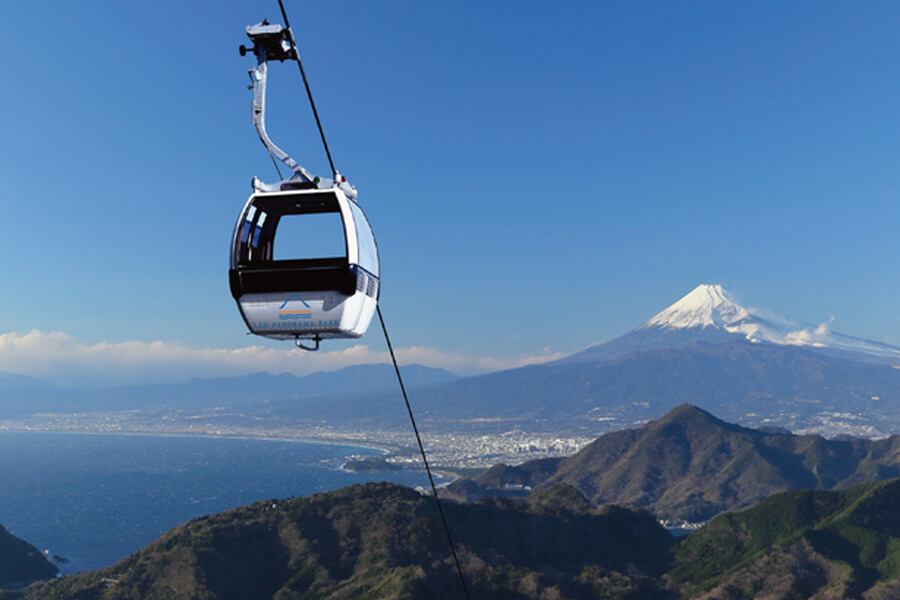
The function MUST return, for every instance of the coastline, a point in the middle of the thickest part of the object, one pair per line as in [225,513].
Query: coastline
[337,440]
[444,474]
[448,448]
[156,481]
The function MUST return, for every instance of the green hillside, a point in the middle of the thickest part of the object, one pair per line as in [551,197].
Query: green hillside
[385,541]
[382,541]
[690,465]
[843,544]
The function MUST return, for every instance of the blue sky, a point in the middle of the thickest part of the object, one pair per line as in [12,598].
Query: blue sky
[540,177]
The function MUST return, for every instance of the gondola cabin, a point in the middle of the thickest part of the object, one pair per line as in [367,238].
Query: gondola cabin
[304,265]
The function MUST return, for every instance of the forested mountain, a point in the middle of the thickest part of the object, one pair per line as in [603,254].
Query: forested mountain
[382,541]
[385,541]
[20,562]
[800,544]
[690,465]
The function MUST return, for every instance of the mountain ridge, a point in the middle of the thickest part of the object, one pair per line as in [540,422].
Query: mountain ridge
[382,541]
[733,380]
[690,465]
[32,396]
[684,354]
[829,544]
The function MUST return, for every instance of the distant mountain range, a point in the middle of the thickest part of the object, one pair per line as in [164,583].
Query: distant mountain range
[10,381]
[705,350]
[690,465]
[742,381]
[21,395]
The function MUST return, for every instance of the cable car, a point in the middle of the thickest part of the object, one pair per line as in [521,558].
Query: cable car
[304,262]
[303,296]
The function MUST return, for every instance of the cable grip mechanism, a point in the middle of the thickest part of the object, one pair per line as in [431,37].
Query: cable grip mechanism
[275,42]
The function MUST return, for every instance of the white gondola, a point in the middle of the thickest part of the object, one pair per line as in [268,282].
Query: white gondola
[304,263]
[304,297]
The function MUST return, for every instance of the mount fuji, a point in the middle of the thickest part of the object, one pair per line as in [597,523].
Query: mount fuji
[707,350]
[709,314]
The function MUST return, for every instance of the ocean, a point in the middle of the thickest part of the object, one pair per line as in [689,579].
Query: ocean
[93,499]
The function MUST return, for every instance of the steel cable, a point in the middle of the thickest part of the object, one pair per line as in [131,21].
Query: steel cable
[312,103]
[387,339]
[412,420]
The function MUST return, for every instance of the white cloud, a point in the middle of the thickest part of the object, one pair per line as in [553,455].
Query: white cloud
[58,358]
[810,335]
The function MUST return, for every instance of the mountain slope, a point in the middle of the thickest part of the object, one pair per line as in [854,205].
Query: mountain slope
[20,562]
[690,465]
[706,349]
[842,544]
[789,384]
[384,541]
[710,314]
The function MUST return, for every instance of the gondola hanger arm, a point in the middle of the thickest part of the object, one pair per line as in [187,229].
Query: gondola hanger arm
[270,42]
[275,42]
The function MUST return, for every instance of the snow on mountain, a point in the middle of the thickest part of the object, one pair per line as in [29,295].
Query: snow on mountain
[709,314]
[711,306]
[706,306]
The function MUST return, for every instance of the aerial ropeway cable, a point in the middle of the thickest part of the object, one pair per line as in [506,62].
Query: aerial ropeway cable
[288,290]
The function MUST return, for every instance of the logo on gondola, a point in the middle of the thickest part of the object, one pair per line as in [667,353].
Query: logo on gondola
[304,313]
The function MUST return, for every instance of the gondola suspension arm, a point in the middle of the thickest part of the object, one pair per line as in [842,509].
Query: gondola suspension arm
[274,42]
[269,40]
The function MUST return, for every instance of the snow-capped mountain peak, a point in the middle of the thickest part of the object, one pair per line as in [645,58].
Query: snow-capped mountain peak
[710,315]
[710,308]
[707,305]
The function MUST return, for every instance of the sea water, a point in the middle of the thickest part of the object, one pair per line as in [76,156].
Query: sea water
[94,499]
